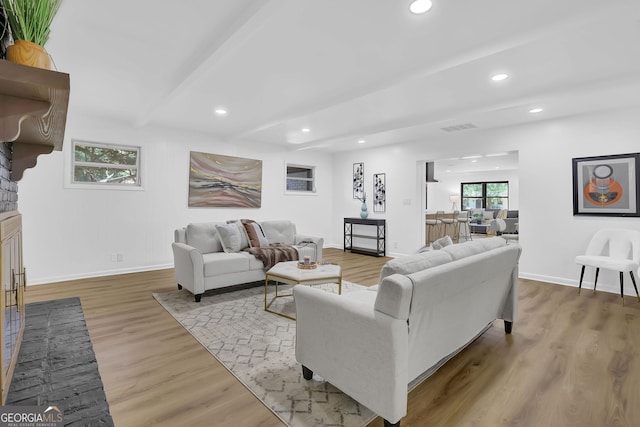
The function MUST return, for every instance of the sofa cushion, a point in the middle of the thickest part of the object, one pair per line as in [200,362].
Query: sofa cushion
[474,247]
[464,250]
[487,215]
[279,231]
[491,243]
[204,237]
[229,237]
[412,263]
[218,263]
[254,263]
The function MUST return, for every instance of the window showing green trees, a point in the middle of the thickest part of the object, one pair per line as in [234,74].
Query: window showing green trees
[488,195]
[105,164]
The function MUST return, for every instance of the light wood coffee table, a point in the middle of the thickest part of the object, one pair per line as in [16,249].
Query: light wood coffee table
[289,273]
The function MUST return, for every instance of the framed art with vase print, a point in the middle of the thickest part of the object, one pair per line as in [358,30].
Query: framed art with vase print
[606,185]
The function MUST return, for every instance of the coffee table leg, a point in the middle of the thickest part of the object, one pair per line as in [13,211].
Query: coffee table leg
[267,303]
[266,282]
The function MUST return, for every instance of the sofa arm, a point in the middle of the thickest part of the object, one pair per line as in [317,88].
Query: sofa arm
[359,350]
[188,267]
[394,296]
[301,239]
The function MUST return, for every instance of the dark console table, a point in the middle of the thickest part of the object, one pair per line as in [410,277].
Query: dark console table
[377,236]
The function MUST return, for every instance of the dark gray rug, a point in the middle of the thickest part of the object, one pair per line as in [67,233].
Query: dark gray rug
[57,366]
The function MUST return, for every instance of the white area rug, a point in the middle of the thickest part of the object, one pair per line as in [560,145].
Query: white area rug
[259,349]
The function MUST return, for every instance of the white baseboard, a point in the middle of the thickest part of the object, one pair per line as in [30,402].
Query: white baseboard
[604,287]
[55,279]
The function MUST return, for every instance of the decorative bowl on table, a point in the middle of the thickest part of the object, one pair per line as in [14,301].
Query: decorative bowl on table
[307,266]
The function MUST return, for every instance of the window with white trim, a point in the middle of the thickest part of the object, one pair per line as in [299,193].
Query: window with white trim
[300,179]
[105,164]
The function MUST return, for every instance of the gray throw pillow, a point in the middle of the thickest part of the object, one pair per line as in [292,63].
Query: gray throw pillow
[229,237]
[442,242]
[204,237]
[244,240]
[425,248]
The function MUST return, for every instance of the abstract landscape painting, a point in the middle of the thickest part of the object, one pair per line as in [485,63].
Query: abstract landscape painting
[224,181]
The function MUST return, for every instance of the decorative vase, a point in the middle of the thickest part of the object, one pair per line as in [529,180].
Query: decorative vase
[27,53]
[364,213]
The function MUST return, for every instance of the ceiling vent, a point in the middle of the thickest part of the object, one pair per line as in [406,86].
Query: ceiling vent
[457,128]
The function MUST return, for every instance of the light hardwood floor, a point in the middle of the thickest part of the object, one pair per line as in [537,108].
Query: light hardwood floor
[571,360]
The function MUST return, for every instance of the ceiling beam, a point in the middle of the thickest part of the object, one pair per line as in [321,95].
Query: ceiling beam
[207,55]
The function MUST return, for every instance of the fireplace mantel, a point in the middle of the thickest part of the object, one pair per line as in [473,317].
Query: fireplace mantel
[33,112]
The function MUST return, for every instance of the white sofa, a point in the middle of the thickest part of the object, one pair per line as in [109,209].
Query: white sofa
[372,344]
[201,262]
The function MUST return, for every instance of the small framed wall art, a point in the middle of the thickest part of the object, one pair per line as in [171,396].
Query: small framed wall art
[358,181]
[379,192]
[606,185]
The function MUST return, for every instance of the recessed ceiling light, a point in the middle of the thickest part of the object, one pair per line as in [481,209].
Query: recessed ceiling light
[535,110]
[220,112]
[500,77]
[474,161]
[420,6]
[306,130]
[361,141]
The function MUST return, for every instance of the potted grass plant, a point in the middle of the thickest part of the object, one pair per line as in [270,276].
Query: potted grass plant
[30,22]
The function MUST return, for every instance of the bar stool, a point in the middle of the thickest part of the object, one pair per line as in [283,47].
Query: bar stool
[450,226]
[432,223]
[463,224]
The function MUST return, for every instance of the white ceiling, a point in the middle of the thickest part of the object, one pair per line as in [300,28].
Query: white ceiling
[346,69]
[477,162]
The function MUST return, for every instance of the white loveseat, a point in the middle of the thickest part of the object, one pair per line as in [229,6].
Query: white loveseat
[202,262]
[372,344]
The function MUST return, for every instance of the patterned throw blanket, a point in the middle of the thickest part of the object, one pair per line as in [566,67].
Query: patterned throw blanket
[274,254]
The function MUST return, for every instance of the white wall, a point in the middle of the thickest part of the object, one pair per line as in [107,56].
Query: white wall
[71,233]
[551,236]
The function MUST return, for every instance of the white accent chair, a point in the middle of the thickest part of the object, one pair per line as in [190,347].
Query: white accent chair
[612,249]
[499,226]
